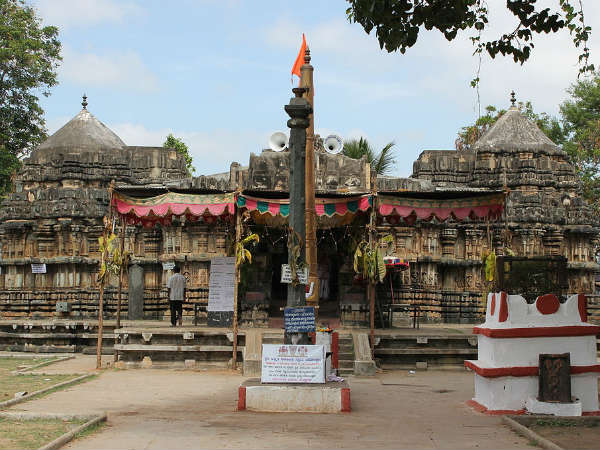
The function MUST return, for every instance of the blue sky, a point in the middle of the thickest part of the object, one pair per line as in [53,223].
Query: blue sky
[217,74]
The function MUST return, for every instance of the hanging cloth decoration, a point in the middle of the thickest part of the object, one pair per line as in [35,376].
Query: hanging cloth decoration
[488,206]
[160,209]
[323,206]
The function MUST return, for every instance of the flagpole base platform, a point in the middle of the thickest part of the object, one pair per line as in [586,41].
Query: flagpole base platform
[330,397]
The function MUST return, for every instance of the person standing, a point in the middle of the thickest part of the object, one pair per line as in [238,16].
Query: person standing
[176,288]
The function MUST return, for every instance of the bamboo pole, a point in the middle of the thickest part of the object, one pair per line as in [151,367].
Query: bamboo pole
[106,224]
[371,288]
[306,81]
[238,235]
[122,247]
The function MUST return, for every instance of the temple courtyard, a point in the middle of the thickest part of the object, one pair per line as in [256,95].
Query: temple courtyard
[165,408]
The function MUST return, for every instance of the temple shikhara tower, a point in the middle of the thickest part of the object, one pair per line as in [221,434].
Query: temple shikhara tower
[513,192]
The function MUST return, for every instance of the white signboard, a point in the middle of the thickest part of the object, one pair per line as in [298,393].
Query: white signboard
[168,265]
[293,364]
[286,274]
[38,268]
[220,286]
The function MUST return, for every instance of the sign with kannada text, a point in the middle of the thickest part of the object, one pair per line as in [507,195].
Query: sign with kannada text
[286,274]
[168,265]
[293,364]
[38,268]
[220,286]
[299,320]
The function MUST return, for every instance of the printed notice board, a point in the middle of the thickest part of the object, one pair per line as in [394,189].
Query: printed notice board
[38,268]
[293,364]
[220,286]
[299,320]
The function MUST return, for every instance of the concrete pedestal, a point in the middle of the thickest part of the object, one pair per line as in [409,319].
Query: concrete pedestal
[330,397]
[534,406]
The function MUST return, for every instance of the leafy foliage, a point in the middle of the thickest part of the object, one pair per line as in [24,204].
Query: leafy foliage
[29,56]
[114,259]
[181,147]
[369,263]
[381,163]
[581,124]
[242,254]
[9,164]
[397,24]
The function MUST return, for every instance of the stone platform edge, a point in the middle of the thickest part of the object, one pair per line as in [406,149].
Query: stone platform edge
[342,387]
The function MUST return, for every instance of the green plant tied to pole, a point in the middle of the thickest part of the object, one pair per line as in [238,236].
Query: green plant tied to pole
[295,244]
[489,262]
[369,262]
[114,258]
[242,254]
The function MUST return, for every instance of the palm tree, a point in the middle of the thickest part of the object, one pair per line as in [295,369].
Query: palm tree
[381,163]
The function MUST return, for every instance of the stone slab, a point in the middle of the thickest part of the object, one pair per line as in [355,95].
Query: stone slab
[330,397]
[534,406]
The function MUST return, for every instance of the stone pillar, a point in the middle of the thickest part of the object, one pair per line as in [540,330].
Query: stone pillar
[448,238]
[135,296]
[298,109]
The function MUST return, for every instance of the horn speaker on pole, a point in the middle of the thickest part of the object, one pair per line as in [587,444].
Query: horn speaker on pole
[333,143]
[278,141]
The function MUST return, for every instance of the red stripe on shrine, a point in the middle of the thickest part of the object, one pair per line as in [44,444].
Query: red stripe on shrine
[523,371]
[346,404]
[241,398]
[574,330]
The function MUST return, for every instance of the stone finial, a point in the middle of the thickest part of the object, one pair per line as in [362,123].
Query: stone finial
[307,55]
[84,103]
[513,98]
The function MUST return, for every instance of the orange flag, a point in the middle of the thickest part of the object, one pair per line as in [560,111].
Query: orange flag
[299,58]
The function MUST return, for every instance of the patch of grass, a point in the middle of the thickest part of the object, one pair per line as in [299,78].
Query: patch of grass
[556,423]
[25,434]
[11,384]
[10,364]
[90,430]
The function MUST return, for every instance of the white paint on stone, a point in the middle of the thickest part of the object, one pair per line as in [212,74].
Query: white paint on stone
[285,398]
[534,406]
[520,392]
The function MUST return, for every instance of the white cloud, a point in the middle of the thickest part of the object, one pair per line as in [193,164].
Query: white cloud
[85,13]
[120,69]
[212,150]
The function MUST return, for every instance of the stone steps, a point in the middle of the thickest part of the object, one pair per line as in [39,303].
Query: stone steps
[422,351]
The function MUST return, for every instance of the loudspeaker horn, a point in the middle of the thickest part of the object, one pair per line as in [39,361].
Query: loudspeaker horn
[333,143]
[278,141]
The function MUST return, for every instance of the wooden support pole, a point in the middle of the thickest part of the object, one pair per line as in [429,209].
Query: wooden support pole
[121,269]
[106,225]
[306,81]
[238,235]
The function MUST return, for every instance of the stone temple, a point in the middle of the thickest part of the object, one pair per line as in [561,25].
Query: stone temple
[443,219]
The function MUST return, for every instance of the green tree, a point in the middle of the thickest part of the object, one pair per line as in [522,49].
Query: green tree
[581,122]
[397,24]
[29,56]
[381,163]
[181,147]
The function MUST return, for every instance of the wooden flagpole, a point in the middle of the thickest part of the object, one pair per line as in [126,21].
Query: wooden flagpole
[238,235]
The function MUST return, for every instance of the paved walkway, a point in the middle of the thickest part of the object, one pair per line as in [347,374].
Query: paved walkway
[153,408]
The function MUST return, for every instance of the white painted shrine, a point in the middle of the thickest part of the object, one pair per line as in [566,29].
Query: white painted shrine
[510,341]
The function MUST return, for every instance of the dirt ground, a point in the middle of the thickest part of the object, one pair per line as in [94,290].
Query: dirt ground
[155,408]
[582,437]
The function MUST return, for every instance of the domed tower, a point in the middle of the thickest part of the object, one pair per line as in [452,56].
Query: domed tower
[54,217]
[544,214]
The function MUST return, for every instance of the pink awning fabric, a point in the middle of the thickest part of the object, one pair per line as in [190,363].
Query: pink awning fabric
[489,206]
[161,208]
